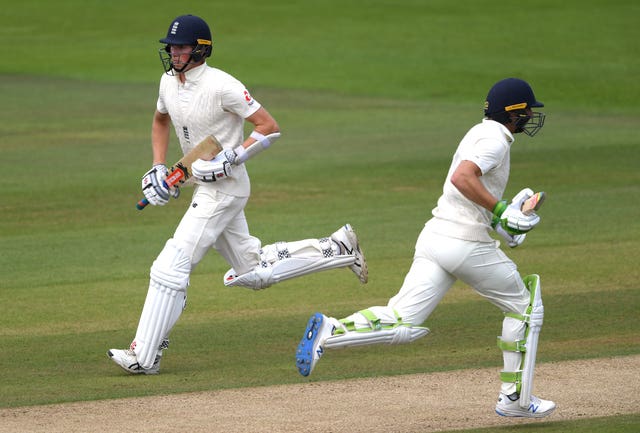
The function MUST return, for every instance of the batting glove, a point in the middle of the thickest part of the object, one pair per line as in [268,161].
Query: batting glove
[155,188]
[511,218]
[211,171]
[512,240]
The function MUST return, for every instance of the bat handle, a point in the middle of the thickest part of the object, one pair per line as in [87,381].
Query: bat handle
[142,203]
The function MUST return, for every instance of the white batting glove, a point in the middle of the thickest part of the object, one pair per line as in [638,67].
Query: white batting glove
[517,223]
[154,187]
[211,171]
[512,240]
[510,216]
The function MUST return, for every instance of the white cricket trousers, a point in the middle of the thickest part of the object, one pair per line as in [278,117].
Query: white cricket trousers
[440,260]
[217,220]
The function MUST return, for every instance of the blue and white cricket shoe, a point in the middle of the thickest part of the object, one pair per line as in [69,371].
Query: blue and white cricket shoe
[538,408]
[311,349]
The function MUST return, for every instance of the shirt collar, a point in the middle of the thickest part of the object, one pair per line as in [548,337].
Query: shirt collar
[508,135]
[193,75]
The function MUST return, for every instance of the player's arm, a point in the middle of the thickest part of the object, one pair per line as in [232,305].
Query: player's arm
[160,137]
[155,190]
[466,178]
[265,132]
[263,123]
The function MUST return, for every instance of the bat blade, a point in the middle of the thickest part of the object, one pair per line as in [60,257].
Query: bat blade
[533,203]
[181,170]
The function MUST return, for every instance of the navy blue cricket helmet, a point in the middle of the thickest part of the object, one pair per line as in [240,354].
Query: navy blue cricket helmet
[513,96]
[187,30]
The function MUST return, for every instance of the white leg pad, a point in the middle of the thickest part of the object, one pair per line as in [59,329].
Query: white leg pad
[164,303]
[285,260]
[535,319]
[520,354]
[512,343]
[375,325]
[399,335]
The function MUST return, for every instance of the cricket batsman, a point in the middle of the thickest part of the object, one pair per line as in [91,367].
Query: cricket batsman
[200,101]
[455,244]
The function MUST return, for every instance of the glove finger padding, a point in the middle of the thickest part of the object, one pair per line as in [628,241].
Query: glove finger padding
[515,222]
[211,171]
[154,187]
[174,191]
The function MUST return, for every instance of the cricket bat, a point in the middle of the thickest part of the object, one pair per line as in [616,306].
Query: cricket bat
[207,149]
[533,203]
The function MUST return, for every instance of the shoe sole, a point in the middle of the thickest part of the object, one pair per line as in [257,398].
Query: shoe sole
[138,370]
[304,354]
[361,270]
[525,415]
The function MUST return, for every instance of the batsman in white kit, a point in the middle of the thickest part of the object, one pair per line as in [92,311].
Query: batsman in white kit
[456,244]
[201,101]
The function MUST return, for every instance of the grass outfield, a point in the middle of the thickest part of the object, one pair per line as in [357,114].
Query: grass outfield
[371,112]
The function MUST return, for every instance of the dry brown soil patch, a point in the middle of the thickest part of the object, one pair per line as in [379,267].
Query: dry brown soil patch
[412,403]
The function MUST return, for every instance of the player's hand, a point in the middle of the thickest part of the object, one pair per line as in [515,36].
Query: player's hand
[512,240]
[211,171]
[511,218]
[154,187]
[517,223]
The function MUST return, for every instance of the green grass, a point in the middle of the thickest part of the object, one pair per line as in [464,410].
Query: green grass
[578,54]
[372,101]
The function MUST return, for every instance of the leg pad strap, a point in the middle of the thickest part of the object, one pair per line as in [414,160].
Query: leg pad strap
[375,332]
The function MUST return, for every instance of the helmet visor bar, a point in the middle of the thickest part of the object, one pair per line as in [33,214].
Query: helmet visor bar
[197,54]
[534,124]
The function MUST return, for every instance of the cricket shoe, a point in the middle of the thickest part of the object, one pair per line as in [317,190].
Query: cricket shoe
[311,349]
[538,408]
[126,359]
[347,240]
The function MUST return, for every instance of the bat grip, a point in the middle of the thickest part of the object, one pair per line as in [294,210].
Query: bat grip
[142,203]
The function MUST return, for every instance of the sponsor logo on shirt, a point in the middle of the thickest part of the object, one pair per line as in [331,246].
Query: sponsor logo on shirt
[248,98]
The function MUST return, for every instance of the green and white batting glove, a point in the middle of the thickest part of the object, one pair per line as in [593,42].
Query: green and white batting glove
[511,218]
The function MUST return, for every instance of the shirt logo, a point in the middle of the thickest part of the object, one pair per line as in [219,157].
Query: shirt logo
[248,98]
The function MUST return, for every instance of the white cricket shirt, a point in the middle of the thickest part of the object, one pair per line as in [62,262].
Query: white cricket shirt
[210,102]
[488,145]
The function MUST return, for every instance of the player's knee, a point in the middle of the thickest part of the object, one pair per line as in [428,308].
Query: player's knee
[172,267]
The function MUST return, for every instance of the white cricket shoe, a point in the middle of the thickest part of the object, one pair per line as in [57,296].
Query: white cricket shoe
[126,359]
[311,349]
[538,408]
[347,240]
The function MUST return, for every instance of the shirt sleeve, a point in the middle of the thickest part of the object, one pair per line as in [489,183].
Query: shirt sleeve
[487,154]
[237,99]
[160,105]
